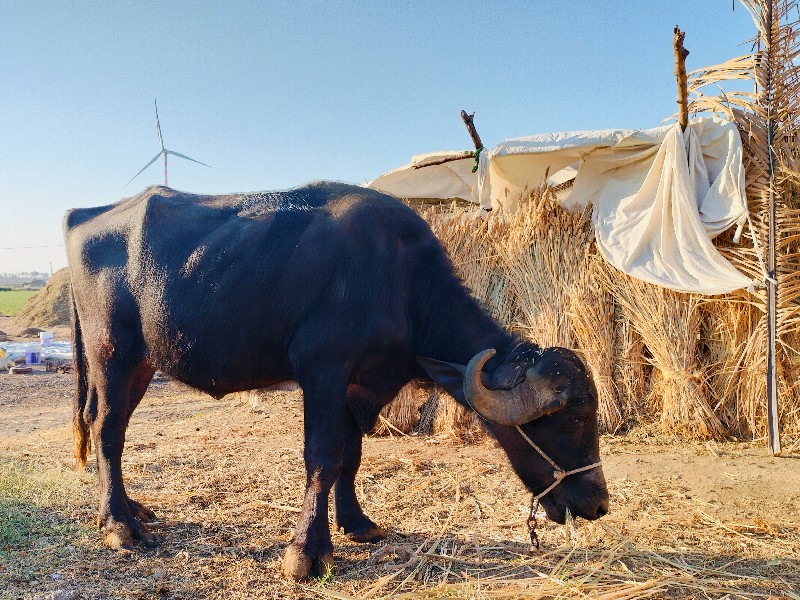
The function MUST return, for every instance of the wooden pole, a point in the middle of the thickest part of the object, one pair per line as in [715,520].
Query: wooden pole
[476,140]
[680,74]
[468,121]
[441,161]
[773,425]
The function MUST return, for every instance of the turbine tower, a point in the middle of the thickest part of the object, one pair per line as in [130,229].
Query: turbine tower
[164,152]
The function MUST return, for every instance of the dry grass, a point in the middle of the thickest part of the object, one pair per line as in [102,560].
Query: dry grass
[50,306]
[670,324]
[591,316]
[545,257]
[226,477]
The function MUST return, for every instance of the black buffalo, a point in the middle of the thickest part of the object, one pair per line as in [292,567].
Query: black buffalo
[340,288]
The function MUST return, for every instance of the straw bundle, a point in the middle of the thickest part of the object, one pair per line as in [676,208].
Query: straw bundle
[631,372]
[734,359]
[669,322]
[544,254]
[473,245]
[403,415]
[591,317]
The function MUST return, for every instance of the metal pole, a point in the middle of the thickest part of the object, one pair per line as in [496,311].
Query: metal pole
[165,170]
[772,283]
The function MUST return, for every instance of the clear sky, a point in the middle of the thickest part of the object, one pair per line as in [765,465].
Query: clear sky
[275,94]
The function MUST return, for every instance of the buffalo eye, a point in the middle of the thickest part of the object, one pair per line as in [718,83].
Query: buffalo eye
[580,418]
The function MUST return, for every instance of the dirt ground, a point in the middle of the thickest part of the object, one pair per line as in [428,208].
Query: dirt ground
[225,477]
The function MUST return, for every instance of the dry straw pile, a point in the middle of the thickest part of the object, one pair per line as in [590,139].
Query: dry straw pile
[50,306]
[695,365]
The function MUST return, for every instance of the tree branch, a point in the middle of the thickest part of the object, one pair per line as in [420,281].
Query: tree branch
[680,73]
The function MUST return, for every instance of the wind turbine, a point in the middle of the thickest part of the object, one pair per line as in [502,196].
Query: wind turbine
[164,152]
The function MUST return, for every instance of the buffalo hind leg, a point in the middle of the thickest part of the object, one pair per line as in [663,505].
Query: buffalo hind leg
[349,515]
[311,549]
[111,402]
[140,383]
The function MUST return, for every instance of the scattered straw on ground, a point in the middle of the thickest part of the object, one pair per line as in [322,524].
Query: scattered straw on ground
[225,478]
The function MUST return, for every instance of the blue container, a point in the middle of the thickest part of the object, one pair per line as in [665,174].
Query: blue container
[33,354]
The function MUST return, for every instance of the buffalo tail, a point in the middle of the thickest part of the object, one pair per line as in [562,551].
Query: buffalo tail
[80,370]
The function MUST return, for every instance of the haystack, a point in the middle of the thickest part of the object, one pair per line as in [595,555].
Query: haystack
[49,307]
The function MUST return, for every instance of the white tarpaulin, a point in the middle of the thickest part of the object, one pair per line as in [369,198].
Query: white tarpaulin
[453,179]
[659,195]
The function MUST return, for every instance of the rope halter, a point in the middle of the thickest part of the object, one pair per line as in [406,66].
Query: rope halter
[558,475]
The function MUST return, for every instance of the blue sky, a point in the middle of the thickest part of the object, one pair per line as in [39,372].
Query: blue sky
[274,94]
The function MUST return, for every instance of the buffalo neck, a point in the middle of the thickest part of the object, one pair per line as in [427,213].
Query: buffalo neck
[448,323]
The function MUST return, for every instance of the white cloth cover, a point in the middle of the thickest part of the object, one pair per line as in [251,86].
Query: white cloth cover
[446,181]
[659,195]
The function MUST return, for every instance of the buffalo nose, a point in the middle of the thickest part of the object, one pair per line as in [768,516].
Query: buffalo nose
[602,509]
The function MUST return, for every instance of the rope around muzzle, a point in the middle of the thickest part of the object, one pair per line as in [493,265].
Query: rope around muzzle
[558,475]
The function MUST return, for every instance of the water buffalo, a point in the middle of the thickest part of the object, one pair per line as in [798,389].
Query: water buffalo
[341,288]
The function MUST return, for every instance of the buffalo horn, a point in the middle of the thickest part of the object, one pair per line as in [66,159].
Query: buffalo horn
[504,407]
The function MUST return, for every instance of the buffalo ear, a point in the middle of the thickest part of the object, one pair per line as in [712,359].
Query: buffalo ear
[448,375]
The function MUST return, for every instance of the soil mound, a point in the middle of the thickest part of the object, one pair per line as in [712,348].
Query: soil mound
[49,306]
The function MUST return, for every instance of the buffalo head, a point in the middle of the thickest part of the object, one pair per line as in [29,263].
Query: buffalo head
[548,397]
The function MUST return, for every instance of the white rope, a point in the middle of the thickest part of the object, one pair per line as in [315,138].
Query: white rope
[559,474]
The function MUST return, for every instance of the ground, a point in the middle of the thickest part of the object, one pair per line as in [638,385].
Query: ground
[225,478]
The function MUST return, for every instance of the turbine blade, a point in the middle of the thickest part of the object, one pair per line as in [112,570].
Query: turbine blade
[158,126]
[157,156]
[187,158]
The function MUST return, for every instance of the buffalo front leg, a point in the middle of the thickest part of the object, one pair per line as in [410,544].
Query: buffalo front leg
[109,409]
[349,515]
[311,550]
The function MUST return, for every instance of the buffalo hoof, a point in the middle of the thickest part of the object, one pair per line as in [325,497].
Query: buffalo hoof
[119,538]
[141,512]
[323,565]
[369,535]
[296,565]
[120,535]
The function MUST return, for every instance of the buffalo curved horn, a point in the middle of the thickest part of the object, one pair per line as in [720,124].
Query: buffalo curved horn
[504,407]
